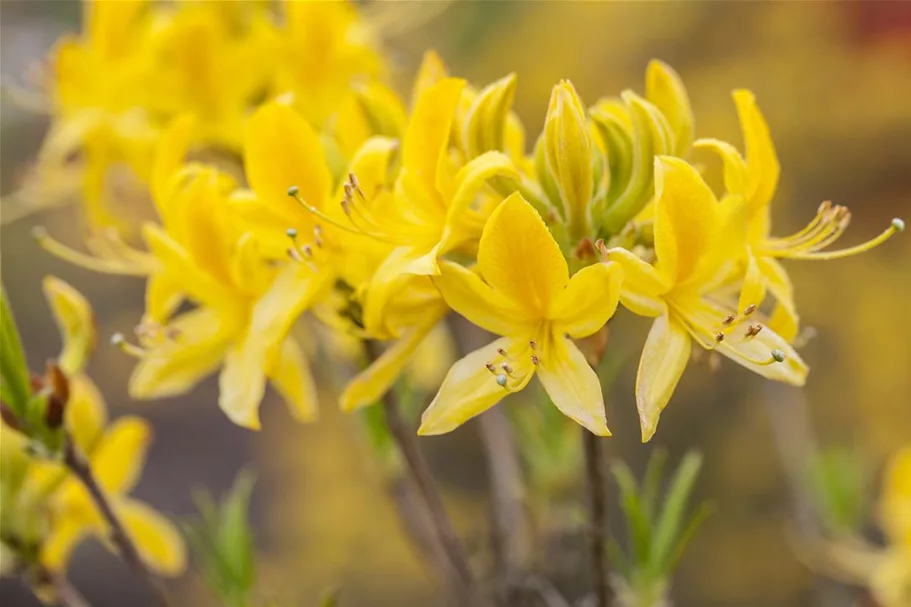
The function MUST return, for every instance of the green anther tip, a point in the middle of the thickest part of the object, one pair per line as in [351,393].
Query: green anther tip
[501,379]
[778,355]
[291,232]
[898,225]
[292,191]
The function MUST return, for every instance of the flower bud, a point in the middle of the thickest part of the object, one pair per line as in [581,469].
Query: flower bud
[569,153]
[485,123]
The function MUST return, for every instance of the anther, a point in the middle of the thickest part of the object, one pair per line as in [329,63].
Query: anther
[728,319]
[490,367]
[749,309]
[501,380]
[507,368]
[753,330]
[533,345]
[307,250]
[719,337]
[352,179]
[293,254]
[502,352]
[535,360]
[602,248]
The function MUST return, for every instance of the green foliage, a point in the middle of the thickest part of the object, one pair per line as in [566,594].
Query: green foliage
[839,483]
[15,390]
[658,526]
[222,543]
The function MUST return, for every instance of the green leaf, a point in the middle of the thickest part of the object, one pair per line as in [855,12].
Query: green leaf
[15,388]
[636,522]
[672,515]
[651,484]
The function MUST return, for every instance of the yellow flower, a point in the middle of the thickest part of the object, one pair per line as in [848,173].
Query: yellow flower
[755,179]
[891,579]
[46,510]
[697,240]
[524,293]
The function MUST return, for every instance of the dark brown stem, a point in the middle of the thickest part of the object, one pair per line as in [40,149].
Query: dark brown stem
[80,468]
[595,473]
[420,474]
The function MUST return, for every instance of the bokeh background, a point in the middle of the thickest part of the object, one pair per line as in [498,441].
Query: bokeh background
[834,81]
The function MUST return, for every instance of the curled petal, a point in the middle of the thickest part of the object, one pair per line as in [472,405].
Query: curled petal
[664,358]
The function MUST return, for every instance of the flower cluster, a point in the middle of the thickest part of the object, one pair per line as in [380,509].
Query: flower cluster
[379,216]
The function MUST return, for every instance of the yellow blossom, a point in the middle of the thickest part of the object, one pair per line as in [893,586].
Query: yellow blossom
[524,292]
[755,179]
[46,512]
[697,240]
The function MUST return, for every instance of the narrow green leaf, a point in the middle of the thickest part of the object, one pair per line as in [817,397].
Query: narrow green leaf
[15,388]
[671,518]
[651,484]
[637,526]
[696,520]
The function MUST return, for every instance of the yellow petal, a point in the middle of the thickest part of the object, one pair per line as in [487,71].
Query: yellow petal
[470,389]
[386,284]
[292,378]
[281,150]
[65,535]
[170,155]
[432,71]
[163,296]
[895,509]
[428,130]
[589,300]
[242,383]
[754,285]
[762,162]
[736,177]
[519,257]
[664,358]
[120,454]
[686,219]
[75,321]
[181,268]
[156,538]
[471,297]
[643,285]
[468,183]
[785,320]
[572,384]
[175,366]
[86,414]
[742,351]
[371,384]
[664,88]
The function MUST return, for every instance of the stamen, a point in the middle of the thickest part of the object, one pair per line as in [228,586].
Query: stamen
[507,368]
[753,331]
[728,319]
[601,247]
[719,337]
[490,367]
[533,345]
[96,264]
[502,353]
[118,340]
[535,360]
[749,309]
[292,192]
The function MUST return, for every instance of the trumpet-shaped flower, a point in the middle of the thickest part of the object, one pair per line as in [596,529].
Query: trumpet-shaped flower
[755,179]
[524,292]
[697,240]
[46,512]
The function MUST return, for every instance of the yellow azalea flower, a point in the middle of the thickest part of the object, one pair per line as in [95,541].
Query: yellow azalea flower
[697,240]
[891,581]
[524,292]
[45,511]
[323,50]
[755,178]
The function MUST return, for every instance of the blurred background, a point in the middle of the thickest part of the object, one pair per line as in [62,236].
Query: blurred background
[834,82]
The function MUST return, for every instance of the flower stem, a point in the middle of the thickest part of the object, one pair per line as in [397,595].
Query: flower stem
[80,468]
[595,474]
[422,477]
[66,593]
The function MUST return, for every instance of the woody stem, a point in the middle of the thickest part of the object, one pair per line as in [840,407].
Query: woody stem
[419,471]
[77,464]
[595,475]
[66,593]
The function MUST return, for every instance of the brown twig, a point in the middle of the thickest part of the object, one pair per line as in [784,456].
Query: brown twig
[595,474]
[66,593]
[420,474]
[80,468]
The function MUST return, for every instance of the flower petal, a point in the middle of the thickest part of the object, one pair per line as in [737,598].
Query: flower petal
[428,130]
[76,323]
[762,162]
[686,219]
[86,413]
[175,366]
[474,299]
[156,538]
[519,257]
[754,285]
[371,384]
[65,535]
[120,454]
[589,300]
[664,358]
[292,378]
[895,509]
[572,384]
[282,150]
[470,389]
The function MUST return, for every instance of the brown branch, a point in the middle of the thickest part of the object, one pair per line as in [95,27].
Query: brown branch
[80,468]
[66,593]
[422,477]
[595,474]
